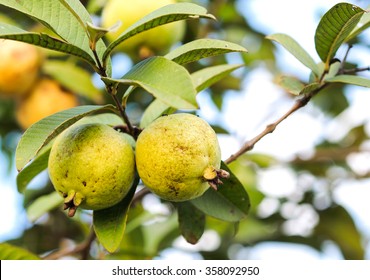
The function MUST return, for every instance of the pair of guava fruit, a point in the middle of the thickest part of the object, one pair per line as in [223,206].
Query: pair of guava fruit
[177,157]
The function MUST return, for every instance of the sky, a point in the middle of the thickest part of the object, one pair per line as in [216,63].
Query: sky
[260,103]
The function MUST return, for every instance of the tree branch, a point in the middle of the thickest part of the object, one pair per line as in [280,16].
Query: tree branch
[83,249]
[249,145]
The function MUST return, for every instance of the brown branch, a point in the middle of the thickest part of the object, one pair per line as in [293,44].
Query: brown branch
[249,145]
[82,248]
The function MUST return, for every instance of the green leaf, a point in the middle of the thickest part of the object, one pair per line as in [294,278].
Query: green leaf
[66,18]
[206,77]
[73,77]
[44,204]
[291,84]
[156,109]
[349,79]
[202,48]
[201,80]
[230,203]
[164,79]
[191,222]
[296,50]
[336,224]
[42,132]
[164,15]
[11,252]
[109,224]
[42,40]
[39,164]
[333,29]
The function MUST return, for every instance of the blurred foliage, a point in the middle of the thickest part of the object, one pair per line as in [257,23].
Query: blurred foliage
[149,231]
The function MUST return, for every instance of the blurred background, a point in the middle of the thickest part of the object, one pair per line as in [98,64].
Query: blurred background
[309,181]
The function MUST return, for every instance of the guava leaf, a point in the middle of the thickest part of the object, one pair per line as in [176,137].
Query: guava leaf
[202,48]
[201,80]
[45,130]
[296,50]
[11,252]
[42,40]
[39,164]
[66,18]
[44,204]
[229,203]
[74,78]
[349,79]
[110,224]
[164,15]
[164,79]
[336,224]
[291,84]
[191,222]
[156,109]
[334,28]
[206,77]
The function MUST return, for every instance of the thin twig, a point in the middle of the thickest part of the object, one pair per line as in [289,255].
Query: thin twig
[249,145]
[112,90]
[83,249]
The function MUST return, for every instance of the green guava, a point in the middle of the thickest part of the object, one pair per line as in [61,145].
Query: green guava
[92,166]
[178,157]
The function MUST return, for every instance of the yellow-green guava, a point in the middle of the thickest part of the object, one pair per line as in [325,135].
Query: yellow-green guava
[45,98]
[155,41]
[178,157]
[92,166]
[19,67]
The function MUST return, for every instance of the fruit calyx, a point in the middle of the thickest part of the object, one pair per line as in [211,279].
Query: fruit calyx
[71,201]
[213,176]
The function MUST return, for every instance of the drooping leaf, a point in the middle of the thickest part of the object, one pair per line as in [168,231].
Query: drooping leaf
[336,224]
[74,78]
[191,222]
[333,29]
[42,40]
[44,204]
[202,48]
[206,77]
[164,79]
[349,79]
[11,252]
[39,164]
[201,80]
[164,15]
[109,224]
[42,132]
[296,50]
[229,203]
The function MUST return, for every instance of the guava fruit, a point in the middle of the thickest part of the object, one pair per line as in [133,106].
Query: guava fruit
[92,166]
[19,67]
[45,98]
[178,157]
[155,41]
